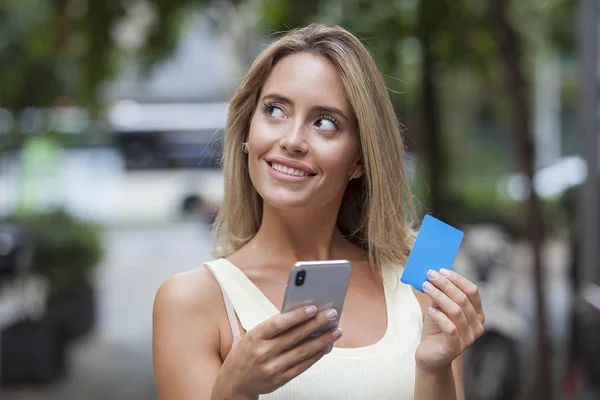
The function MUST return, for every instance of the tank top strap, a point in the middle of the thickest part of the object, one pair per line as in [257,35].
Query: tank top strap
[231,316]
[251,305]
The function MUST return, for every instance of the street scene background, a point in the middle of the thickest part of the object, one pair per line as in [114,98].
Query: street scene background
[111,120]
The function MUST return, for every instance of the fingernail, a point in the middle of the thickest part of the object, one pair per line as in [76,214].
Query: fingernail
[311,310]
[433,309]
[433,274]
[328,349]
[331,314]
[445,272]
[337,333]
[427,286]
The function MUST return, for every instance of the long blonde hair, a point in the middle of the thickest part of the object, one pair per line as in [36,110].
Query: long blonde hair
[377,208]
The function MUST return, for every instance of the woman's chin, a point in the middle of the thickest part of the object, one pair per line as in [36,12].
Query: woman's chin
[287,202]
[296,200]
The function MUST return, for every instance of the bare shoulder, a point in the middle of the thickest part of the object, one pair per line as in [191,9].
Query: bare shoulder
[189,306]
[185,335]
[195,291]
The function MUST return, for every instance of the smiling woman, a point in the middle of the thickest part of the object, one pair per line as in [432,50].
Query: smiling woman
[333,75]
[296,137]
[313,164]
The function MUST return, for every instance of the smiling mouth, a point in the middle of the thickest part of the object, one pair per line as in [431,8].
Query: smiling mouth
[289,171]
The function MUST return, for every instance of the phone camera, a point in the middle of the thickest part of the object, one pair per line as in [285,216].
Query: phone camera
[300,277]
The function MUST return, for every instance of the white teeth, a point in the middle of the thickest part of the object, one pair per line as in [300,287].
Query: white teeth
[288,171]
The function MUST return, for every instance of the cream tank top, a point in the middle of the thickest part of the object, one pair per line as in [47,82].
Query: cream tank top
[381,371]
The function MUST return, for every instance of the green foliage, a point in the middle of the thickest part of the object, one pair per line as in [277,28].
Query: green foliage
[459,39]
[66,248]
[51,49]
[56,49]
[460,31]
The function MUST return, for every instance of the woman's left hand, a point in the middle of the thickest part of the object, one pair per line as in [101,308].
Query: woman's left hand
[453,322]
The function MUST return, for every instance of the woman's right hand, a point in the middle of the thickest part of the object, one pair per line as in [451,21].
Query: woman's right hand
[275,352]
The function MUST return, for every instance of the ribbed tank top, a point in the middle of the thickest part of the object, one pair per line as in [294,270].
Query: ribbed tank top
[381,371]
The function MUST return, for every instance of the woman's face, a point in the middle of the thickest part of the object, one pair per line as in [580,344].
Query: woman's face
[303,139]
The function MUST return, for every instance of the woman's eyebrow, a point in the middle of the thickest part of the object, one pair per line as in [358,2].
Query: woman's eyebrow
[277,97]
[282,99]
[332,110]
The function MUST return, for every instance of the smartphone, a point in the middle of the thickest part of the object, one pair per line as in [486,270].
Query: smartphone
[320,283]
[436,247]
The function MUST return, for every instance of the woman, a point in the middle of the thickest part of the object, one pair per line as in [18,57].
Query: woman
[313,164]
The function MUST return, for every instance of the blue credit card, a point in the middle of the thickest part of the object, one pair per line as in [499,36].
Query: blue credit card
[435,248]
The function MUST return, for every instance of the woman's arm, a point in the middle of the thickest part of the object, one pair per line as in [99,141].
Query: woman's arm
[446,384]
[441,385]
[188,347]
[185,337]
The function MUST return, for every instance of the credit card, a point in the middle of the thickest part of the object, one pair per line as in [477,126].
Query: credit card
[436,247]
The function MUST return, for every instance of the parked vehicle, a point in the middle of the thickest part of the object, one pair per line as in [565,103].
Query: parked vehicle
[492,369]
[170,135]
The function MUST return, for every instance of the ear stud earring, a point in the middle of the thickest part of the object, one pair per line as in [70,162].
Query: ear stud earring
[245,147]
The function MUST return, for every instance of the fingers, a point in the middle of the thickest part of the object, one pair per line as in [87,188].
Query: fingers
[269,356]
[452,310]
[282,322]
[459,308]
[446,325]
[300,332]
[468,288]
[309,348]
[456,295]
[300,367]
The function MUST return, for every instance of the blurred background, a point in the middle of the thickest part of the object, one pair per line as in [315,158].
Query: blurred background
[111,119]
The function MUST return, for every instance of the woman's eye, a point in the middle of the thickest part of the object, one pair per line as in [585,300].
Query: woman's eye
[275,111]
[326,124]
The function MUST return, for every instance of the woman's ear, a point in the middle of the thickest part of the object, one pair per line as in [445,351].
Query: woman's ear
[359,169]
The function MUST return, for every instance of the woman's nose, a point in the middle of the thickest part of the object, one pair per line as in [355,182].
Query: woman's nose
[294,140]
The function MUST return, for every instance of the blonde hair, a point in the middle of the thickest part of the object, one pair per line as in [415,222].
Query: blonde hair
[377,208]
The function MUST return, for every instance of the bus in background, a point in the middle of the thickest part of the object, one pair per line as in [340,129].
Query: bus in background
[180,142]
[141,163]
[168,135]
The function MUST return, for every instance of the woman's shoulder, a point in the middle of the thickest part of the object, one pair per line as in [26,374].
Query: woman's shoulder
[195,291]
[186,331]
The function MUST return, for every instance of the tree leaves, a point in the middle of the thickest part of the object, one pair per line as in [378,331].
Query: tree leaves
[57,49]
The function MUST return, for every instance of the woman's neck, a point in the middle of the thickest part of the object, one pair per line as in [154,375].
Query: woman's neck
[290,235]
